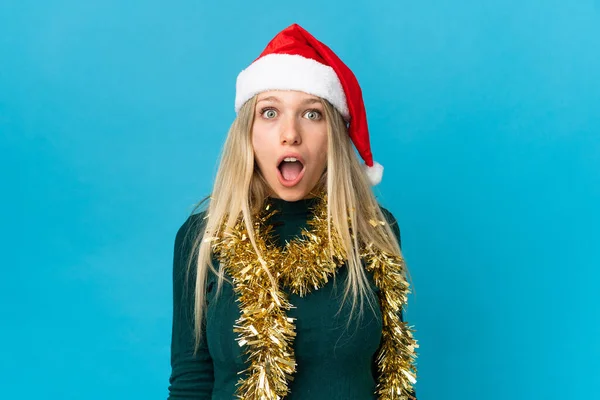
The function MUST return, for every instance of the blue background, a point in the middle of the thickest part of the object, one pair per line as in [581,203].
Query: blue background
[485,115]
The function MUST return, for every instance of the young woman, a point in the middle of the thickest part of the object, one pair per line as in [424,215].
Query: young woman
[292,283]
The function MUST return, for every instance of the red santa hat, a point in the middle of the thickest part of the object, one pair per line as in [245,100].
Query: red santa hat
[295,60]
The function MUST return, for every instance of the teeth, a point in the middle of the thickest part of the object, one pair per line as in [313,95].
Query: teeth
[290,159]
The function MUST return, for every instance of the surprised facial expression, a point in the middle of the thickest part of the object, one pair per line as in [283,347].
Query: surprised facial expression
[289,138]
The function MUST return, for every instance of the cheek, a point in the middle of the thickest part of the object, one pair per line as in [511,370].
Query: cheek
[321,148]
[261,147]
[256,144]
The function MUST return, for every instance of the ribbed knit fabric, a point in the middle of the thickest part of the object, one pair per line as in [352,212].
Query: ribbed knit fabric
[334,360]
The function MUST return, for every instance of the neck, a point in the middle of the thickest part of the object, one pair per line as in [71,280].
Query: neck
[302,206]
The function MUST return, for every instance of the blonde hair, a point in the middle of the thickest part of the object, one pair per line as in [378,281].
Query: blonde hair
[240,188]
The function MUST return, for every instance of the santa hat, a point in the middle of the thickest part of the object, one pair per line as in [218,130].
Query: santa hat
[295,60]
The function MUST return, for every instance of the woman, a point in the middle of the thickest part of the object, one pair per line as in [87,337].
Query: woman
[291,284]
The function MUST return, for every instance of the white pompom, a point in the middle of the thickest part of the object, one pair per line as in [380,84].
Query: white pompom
[374,173]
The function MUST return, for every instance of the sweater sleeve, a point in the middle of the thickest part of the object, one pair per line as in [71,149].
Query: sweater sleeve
[391,220]
[192,375]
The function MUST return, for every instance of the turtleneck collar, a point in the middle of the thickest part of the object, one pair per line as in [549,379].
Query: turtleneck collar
[299,207]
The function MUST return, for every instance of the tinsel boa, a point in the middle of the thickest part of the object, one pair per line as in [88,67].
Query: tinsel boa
[305,264]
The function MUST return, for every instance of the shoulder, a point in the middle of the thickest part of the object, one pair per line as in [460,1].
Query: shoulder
[392,222]
[183,253]
[390,218]
[187,234]
[191,227]
[388,215]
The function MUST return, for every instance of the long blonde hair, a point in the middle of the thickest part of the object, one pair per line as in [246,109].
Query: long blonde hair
[240,188]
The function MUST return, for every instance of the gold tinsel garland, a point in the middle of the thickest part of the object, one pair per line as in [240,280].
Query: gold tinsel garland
[303,265]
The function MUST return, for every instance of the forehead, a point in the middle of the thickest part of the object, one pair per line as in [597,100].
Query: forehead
[287,96]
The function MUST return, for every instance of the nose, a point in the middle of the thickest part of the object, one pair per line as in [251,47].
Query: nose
[290,134]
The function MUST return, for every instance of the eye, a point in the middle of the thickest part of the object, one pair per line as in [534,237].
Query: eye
[313,115]
[268,113]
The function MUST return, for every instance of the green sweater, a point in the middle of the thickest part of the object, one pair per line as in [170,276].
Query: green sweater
[333,361]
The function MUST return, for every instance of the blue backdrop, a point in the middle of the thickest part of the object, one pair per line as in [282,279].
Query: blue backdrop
[485,115]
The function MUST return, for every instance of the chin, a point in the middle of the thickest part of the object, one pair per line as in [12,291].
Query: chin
[291,195]
[295,193]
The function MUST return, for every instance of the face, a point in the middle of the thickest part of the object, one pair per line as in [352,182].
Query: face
[289,137]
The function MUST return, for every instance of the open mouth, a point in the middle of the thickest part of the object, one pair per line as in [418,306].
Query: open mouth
[291,171]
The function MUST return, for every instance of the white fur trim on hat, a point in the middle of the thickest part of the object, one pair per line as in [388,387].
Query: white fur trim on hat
[290,72]
[374,173]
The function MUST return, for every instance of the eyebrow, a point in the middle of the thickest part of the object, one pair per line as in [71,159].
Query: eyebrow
[274,99]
